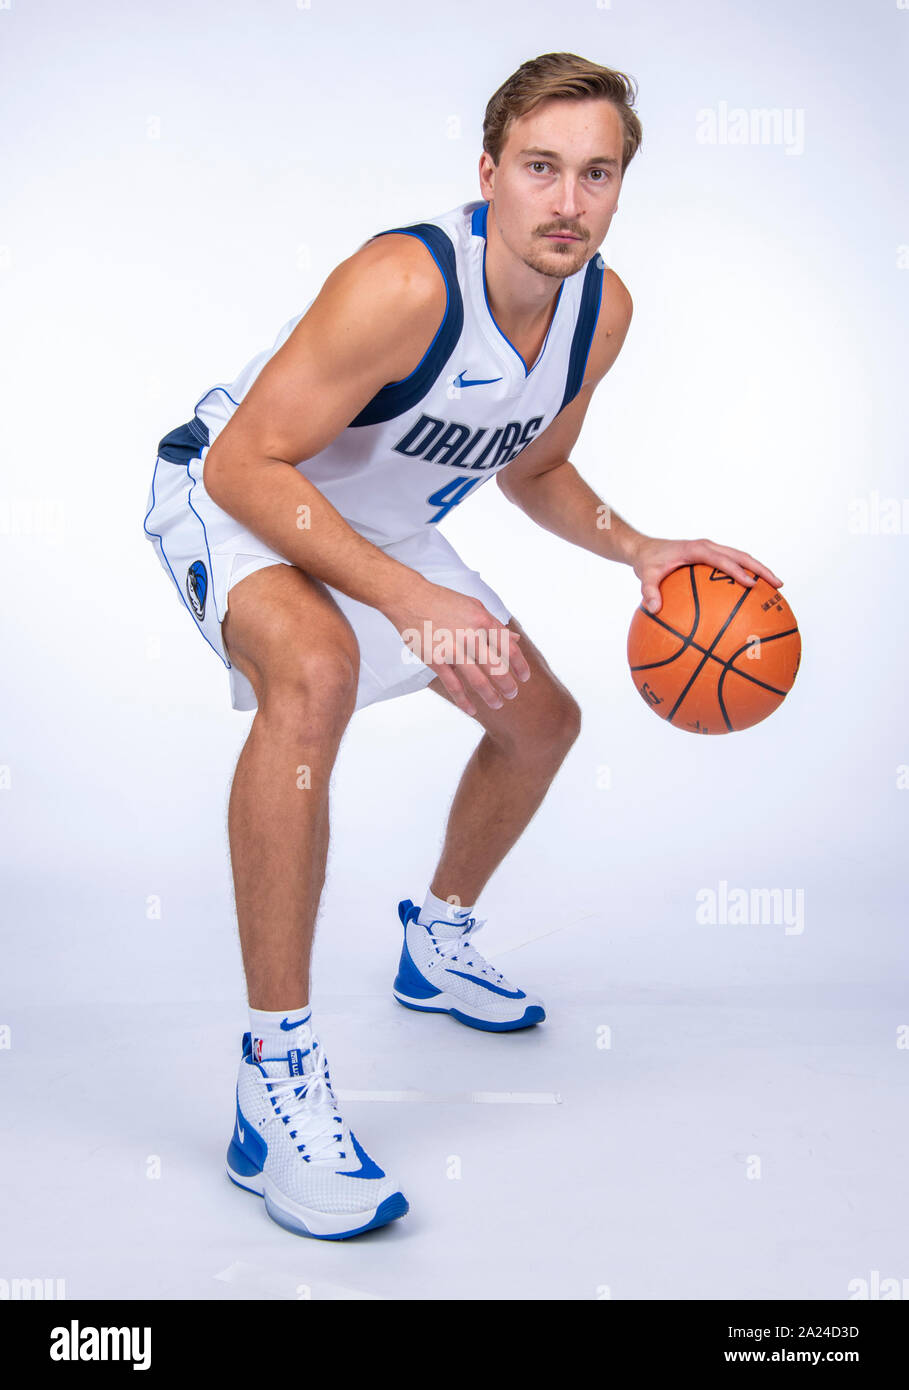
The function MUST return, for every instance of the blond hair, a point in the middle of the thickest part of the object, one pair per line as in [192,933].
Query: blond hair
[569,77]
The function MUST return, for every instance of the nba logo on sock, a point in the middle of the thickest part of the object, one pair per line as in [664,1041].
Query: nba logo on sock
[197,587]
[257,1048]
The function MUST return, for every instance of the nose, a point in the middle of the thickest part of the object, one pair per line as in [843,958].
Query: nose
[568,204]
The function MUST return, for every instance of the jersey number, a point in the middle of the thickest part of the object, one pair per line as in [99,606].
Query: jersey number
[446,499]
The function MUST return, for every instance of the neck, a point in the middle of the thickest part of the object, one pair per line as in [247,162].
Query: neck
[521,299]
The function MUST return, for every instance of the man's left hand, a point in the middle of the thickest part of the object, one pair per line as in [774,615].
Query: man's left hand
[654,559]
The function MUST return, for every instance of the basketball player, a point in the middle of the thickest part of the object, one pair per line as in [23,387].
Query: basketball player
[298,514]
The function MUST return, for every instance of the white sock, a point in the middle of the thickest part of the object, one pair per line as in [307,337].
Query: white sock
[438,910]
[277,1031]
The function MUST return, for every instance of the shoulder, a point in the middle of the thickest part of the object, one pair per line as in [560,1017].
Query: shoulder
[397,284]
[613,320]
[400,263]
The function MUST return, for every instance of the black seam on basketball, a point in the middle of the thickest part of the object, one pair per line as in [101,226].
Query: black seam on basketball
[686,641]
[713,656]
[667,661]
[699,668]
[745,675]
[722,704]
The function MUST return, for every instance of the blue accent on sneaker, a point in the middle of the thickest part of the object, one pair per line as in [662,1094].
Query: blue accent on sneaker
[408,979]
[487,984]
[533,1014]
[367,1169]
[247,1151]
[394,1206]
[407,911]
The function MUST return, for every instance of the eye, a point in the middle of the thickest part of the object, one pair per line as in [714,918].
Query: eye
[604,172]
[534,162]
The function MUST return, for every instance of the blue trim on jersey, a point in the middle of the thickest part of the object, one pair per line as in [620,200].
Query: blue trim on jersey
[397,397]
[584,329]
[478,220]
[588,313]
[210,392]
[185,442]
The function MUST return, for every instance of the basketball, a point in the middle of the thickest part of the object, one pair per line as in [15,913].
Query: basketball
[718,656]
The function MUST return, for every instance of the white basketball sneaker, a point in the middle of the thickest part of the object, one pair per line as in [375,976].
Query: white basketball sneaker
[291,1146]
[441,971]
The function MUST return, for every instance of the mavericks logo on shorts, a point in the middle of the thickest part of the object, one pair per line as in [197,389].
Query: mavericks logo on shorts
[197,587]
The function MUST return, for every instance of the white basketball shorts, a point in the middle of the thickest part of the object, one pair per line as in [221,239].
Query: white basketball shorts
[206,552]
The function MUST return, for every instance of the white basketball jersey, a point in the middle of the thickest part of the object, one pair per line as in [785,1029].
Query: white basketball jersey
[424,444]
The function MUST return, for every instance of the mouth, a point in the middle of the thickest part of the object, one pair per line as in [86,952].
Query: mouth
[561,236]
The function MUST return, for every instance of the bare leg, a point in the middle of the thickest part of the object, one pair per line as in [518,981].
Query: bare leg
[286,634]
[506,778]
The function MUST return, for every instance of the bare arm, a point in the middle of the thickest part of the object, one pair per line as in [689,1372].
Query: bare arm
[370,324]
[557,497]
[544,483]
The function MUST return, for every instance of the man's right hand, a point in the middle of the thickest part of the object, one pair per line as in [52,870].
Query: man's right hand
[474,655]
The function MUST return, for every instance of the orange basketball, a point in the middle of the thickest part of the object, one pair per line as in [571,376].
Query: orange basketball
[718,656]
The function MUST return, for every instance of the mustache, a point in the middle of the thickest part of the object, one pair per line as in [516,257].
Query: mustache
[564,231]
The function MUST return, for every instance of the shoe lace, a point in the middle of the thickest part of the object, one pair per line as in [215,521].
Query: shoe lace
[455,948]
[309,1108]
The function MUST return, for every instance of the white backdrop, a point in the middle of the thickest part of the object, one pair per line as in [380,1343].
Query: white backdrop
[177,184]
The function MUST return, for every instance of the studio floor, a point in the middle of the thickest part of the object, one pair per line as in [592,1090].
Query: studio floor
[707,1144]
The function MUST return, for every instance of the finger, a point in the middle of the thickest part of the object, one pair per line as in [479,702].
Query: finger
[651,597]
[501,678]
[721,558]
[477,683]
[745,560]
[510,666]
[455,688]
[763,571]
[517,661]
[495,656]
[735,571]
[503,682]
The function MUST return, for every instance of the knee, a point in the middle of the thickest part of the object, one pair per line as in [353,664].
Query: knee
[549,734]
[312,687]
[565,724]
[320,683]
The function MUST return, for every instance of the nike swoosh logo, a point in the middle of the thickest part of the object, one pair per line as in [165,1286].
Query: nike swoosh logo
[241,1132]
[484,381]
[367,1168]
[487,984]
[287,1027]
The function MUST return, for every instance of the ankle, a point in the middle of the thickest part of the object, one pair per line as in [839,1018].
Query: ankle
[436,909]
[276,1029]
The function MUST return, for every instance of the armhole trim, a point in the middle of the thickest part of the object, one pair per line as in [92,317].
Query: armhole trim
[584,329]
[396,397]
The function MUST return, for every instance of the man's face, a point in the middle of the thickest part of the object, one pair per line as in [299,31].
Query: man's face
[559,171]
